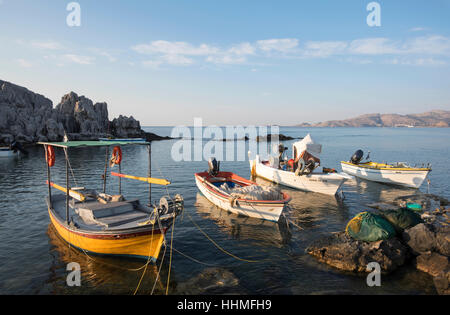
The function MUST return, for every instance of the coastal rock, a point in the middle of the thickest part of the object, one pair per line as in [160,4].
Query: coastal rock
[420,238]
[432,263]
[442,282]
[271,137]
[443,240]
[210,281]
[126,127]
[382,206]
[28,117]
[342,252]
[429,202]
[80,115]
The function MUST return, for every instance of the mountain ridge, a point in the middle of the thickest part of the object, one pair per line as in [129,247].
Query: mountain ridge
[433,118]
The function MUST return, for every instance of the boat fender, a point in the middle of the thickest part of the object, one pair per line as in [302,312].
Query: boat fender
[50,155]
[301,166]
[233,202]
[116,157]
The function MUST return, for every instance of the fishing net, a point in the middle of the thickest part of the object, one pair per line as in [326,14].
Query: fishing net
[253,192]
[369,227]
[402,218]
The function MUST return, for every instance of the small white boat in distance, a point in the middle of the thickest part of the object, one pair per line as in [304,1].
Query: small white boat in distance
[398,173]
[6,152]
[238,195]
[299,172]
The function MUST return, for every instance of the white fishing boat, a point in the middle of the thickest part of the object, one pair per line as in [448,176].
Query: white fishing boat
[13,150]
[399,173]
[238,195]
[299,172]
[6,152]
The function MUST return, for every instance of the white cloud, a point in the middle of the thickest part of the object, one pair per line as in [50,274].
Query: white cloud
[242,49]
[24,63]
[50,45]
[226,59]
[277,44]
[416,62]
[184,53]
[82,60]
[373,46]
[174,48]
[104,53]
[324,48]
[432,45]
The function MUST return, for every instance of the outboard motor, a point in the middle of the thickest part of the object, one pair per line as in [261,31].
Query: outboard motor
[357,157]
[213,167]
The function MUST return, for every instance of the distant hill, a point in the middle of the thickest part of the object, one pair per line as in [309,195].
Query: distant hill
[434,118]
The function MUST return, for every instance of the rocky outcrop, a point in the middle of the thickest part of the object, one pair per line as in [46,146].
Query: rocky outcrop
[79,115]
[271,137]
[426,244]
[126,127]
[28,117]
[344,253]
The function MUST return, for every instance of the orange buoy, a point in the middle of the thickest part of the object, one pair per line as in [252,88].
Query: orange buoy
[50,155]
[116,156]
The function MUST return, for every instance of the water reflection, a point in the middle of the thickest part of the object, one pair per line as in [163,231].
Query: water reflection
[267,233]
[101,274]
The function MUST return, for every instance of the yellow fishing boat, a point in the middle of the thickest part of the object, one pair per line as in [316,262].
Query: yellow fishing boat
[105,224]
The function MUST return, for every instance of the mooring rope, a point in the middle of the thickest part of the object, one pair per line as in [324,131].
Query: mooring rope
[218,246]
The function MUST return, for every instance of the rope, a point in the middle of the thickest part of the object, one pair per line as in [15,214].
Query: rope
[196,260]
[218,246]
[170,260]
[148,260]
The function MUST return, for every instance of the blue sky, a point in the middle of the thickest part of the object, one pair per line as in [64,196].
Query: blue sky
[232,62]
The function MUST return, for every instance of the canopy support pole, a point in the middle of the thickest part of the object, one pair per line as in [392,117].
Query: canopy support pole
[49,180]
[106,169]
[120,182]
[149,173]
[67,185]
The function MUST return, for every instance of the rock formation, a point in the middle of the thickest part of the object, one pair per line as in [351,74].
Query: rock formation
[428,243]
[28,117]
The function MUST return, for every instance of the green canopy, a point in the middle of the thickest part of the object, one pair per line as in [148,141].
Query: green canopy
[73,144]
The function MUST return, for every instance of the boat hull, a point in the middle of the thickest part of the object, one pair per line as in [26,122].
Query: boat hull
[8,153]
[143,244]
[264,210]
[412,178]
[328,184]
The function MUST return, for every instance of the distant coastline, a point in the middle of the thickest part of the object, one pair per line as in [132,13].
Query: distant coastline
[434,118]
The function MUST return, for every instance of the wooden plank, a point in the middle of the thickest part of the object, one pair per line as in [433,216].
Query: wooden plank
[72,193]
[150,180]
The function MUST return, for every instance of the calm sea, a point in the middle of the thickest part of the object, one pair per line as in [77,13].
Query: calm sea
[34,259]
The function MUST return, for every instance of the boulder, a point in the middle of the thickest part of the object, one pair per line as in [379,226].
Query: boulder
[432,263]
[443,240]
[210,281]
[344,253]
[420,238]
[442,282]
